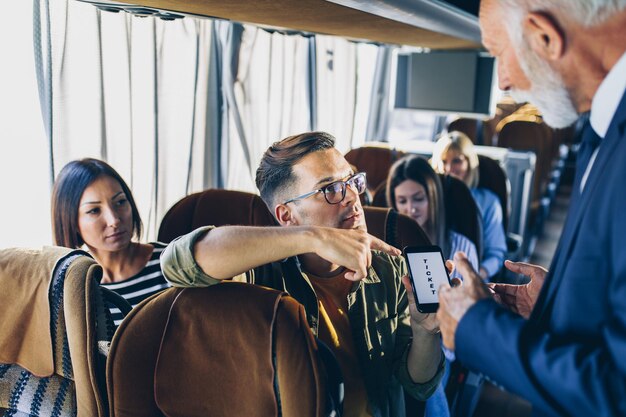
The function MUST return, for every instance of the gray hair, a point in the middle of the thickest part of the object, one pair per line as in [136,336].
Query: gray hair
[586,12]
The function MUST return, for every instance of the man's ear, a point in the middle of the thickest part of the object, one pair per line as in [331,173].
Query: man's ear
[545,36]
[284,215]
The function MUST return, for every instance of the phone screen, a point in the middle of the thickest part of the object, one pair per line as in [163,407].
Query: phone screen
[428,273]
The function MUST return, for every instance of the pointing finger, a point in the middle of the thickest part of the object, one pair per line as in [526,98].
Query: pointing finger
[377,244]
[355,275]
[464,267]
[450,266]
[521,267]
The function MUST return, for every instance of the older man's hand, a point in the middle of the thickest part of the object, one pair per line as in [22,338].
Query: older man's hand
[521,299]
[455,301]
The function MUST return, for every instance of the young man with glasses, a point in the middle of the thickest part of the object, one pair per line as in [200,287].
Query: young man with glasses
[353,286]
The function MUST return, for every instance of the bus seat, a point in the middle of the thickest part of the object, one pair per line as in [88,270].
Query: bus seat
[473,128]
[197,352]
[214,207]
[396,229]
[492,177]
[55,329]
[528,133]
[379,196]
[375,161]
[462,213]
[480,131]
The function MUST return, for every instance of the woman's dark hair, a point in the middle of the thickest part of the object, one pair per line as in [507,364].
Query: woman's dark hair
[68,189]
[416,168]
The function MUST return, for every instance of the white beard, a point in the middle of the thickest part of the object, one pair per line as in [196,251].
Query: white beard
[547,90]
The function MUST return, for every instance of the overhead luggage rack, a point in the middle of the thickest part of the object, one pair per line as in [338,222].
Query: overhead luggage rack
[428,24]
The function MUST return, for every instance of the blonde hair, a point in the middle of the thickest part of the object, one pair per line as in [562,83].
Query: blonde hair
[460,142]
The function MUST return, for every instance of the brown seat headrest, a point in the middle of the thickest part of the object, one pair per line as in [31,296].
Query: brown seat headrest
[133,356]
[214,207]
[394,228]
[225,347]
[375,161]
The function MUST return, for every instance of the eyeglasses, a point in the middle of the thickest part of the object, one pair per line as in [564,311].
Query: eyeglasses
[335,192]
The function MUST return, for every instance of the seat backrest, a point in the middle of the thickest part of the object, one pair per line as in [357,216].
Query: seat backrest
[480,131]
[493,177]
[214,207]
[397,229]
[528,133]
[375,161]
[227,350]
[462,213]
[53,321]
[467,126]
[379,196]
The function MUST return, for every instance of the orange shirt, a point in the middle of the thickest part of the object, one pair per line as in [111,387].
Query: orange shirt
[335,331]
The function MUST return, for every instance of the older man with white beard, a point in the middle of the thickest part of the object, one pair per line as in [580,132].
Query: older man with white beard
[561,345]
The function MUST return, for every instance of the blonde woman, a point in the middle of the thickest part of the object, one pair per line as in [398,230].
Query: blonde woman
[454,154]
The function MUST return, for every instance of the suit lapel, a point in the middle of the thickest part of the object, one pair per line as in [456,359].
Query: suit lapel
[568,237]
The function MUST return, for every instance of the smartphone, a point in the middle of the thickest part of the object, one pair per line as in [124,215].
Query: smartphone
[428,272]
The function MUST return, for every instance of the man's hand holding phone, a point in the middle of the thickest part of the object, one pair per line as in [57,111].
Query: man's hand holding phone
[454,302]
[419,321]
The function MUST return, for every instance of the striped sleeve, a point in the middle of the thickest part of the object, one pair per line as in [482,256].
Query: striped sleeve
[460,243]
[148,281]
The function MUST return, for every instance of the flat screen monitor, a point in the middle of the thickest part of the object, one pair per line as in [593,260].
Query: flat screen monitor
[445,81]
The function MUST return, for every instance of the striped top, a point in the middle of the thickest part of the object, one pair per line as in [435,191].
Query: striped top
[148,281]
[459,242]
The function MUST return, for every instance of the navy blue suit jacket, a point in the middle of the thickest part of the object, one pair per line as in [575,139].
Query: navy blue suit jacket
[569,358]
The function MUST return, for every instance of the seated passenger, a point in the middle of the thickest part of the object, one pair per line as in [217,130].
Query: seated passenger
[454,154]
[414,189]
[353,286]
[93,206]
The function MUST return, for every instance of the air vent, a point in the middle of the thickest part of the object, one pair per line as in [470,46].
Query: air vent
[135,10]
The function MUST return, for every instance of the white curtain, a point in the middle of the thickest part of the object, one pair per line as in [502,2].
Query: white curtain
[367,95]
[271,97]
[133,91]
[346,72]
[336,88]
[24,165]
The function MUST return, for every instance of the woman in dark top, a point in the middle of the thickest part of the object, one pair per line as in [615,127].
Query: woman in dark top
[93,206]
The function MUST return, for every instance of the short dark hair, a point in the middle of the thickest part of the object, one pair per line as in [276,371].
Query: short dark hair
[68,189]
[275,171]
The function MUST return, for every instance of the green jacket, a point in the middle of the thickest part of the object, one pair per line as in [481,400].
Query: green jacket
[377,307]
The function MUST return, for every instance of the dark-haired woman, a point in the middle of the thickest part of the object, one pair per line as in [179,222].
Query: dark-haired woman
[414,189]
[93,206]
